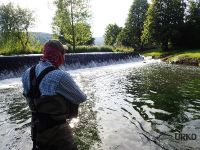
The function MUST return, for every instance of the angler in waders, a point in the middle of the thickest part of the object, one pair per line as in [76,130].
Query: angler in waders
[53,97]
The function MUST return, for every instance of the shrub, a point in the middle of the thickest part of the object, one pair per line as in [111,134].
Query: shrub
[84,49]
[106,49]
[123,49]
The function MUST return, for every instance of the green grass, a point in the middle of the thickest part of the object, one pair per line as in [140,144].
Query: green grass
[185,54]
[154,53]
[173,55]
[189,53]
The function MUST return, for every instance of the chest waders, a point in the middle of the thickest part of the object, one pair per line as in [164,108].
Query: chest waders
[47,111]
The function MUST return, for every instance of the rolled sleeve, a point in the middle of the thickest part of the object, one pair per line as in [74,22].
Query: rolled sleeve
[70,90]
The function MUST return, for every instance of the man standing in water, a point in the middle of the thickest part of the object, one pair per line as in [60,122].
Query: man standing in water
[53,97]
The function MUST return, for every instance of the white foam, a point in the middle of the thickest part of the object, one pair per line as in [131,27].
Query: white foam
[93,66]
[9,83]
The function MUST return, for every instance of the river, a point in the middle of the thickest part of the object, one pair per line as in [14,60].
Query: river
[141,105]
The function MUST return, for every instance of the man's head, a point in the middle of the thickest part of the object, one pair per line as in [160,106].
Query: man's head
[54,51]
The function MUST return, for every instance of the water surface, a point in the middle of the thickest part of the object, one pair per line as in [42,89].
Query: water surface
[130,106]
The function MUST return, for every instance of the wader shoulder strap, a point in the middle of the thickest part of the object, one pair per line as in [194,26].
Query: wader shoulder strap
[32,77]
[35,81]
[43,73]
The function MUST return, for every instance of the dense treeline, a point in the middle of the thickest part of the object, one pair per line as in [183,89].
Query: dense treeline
[169,24]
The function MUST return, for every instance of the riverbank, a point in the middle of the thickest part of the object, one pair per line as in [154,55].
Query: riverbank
[185,57]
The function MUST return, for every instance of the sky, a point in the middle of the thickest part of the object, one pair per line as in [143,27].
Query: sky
[104,12]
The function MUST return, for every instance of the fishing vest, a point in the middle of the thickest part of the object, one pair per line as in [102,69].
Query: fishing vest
[47,111]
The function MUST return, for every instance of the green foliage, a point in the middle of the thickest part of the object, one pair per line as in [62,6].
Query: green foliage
[134,24]
[111,33]
[124,38]
[36,49]
[193,12]
[10,48]
[106,49]
[146,36]
[191,30]
[123,49]
[83,33]
[70,21]
[164,17]
[193,21]
[88,49]
[14,24]
[83,49]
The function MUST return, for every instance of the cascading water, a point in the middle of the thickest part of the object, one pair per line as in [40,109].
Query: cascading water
[132,104]
[14,66]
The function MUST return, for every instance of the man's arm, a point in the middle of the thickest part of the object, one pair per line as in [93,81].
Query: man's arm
[70,90]
[25,81]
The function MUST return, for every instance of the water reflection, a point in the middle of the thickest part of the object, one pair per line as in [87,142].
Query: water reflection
[86,133]
[167,97]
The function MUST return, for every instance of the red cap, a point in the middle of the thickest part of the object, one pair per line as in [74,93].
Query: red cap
[53,52]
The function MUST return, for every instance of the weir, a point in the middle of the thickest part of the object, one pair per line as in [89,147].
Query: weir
[13,66]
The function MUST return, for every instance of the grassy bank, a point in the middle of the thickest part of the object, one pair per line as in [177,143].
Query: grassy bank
[188,57]
[155,53]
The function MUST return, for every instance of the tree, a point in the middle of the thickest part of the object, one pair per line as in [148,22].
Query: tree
[111,33]
[135,22]
[14,25]
[124,38]
[70,21]
[191,29]
[164,18]
[194,12]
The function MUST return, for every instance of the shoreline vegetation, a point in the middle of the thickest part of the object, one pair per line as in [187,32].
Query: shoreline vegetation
[79,49]
[189,57]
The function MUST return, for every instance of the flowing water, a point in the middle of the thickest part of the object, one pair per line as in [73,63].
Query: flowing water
[141,105]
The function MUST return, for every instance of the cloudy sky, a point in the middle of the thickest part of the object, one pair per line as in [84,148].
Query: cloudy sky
[104,12]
